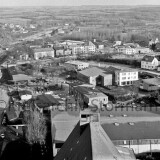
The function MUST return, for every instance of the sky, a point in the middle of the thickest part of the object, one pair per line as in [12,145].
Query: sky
[76,2]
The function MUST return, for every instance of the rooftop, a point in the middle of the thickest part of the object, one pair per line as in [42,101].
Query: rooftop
[140,130]
[76,62]
[90,142]
[152,81]
[21,77]
[43,49]
[91,72]
[148,58]
[90,92]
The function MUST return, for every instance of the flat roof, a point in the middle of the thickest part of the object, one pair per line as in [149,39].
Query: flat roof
[152,81]
[21,77]
[93,71]
[76,62]
[140,130]
[43,49]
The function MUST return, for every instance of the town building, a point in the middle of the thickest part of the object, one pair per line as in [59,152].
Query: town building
[88,141]
[88,96]
[140,136]
[77,65]
[150,84]
[95,76]
[144,50]
[99,45]
[149,62]
[126,77]
[125,50]
[59,51]
[67,52]
[43,52]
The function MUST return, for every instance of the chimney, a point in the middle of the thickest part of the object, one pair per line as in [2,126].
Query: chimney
[94,40]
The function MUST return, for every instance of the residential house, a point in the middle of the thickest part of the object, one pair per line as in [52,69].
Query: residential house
[95,76]
[77,65]
[76,49]
[144,50]
[125,50]
[43,52]
[89,47]
[67,52]
[88,141]
[99,45]
[149,62]
[24,57]
[59,51]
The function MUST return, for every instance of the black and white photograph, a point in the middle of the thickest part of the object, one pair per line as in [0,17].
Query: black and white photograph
[79,79]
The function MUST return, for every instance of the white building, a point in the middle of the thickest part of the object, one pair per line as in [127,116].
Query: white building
[43,52]
[77,65]
[149,62]
[125,77]
[126,50]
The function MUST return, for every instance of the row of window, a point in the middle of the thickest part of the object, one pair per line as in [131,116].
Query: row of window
[124,78]
[129,73]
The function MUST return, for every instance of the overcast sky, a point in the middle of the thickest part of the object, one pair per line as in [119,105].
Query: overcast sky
[76,2]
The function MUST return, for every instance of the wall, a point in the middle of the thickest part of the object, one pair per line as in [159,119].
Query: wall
[107,80]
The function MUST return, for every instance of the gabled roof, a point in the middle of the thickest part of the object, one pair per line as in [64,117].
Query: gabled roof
[90,142]
[148,58]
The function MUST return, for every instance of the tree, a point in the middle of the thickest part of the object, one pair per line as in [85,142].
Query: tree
[36,127]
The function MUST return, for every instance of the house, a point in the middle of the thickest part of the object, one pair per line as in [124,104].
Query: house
[144,50]
[125,50]
[76,49]
[88,96]
[88,141]
[67,52]
[99,45]
[149,62]
[59,51]
[142,137]
[89,47]
[151,84]
[43,52]
[126,77]
[24,57]
[77,65]
[95,76]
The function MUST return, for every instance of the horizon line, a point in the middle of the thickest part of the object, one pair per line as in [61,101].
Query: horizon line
[134,5]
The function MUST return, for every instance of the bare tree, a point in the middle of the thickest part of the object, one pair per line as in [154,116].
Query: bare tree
[36,127]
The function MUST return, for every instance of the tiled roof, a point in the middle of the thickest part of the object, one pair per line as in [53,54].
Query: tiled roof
[148,58]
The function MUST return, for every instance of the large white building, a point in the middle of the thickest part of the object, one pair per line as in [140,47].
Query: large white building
[125,77]
[149,62]
[43,52]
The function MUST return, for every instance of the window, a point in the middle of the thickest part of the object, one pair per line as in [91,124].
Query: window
[123,74]
[123,78]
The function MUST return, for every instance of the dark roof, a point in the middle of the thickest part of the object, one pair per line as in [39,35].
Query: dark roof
[24,92]
[46,100]
[58,48]
[88,142]
[111,69]
[140,130]
[148,58]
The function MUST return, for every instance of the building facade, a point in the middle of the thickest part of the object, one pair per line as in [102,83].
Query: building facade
[126,77]
[149,62]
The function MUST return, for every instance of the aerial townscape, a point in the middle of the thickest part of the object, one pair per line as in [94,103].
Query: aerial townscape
[80,83]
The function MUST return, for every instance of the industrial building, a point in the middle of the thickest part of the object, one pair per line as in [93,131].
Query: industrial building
[95,76]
